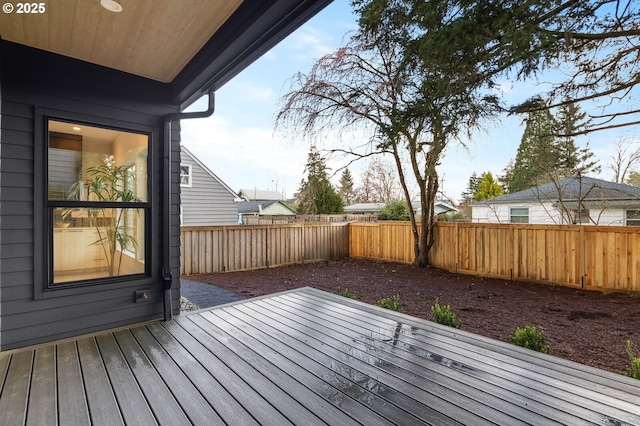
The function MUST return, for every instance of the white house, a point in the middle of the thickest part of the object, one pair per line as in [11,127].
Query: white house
[572,200]
[260,195]
[205,199]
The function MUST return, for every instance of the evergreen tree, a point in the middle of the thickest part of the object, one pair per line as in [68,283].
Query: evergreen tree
[395,210]
[488,188]
[472,187]
[317,195]
[547,151]
[346,190]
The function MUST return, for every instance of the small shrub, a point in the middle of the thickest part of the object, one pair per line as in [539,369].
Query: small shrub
[529,338]
[392,303]
[634,370]
[345,293]
[443,315]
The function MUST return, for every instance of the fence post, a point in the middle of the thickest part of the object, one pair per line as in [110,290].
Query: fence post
[583,249]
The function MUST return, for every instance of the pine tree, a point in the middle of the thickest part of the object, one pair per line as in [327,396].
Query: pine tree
[547,150]
[317,195]
[346,189]
[488,188]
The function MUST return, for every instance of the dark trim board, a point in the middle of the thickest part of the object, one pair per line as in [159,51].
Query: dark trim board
[304,357]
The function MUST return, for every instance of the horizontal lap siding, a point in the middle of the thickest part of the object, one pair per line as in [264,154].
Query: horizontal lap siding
[23,319]
[206,202]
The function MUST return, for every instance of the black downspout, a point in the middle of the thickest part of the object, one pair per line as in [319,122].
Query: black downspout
[166,225]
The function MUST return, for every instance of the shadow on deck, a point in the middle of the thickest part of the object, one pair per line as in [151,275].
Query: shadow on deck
[303,357]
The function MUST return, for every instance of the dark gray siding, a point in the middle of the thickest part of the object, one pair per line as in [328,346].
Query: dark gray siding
[207,202]
[28,314]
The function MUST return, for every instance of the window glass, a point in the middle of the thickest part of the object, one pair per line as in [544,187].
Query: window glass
[633,218]
[98,201]
[519,215]
[185,175]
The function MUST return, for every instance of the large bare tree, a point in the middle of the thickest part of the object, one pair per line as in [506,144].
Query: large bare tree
[407,110]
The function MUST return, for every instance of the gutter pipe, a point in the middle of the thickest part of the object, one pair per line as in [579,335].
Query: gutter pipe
[166,217]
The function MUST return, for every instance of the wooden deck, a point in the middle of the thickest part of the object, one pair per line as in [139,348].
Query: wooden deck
[304,357]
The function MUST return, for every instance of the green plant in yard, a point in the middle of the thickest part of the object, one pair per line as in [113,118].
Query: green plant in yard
[392,302]
[634,370]
[345,293]
[442,314]
[529,338]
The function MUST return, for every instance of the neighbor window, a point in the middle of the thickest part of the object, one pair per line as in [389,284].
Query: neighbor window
[519,215]
[185,175]
[97,202]
[633,218]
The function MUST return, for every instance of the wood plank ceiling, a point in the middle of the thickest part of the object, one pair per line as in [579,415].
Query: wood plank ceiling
[149,38]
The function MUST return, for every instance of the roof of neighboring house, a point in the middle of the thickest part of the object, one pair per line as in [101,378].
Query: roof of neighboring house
[260,194]
[183,49]
[259,206]
[571,190]
[188,153]
[364,207]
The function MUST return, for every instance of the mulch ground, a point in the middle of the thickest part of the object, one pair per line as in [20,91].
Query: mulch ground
[588,327]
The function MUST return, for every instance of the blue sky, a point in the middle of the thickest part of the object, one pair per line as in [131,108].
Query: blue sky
[239,145]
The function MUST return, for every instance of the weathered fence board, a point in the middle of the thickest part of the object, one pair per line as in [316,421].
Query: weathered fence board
[236,248]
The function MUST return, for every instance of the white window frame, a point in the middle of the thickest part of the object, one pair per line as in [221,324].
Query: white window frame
[511,215]
[189,175]
[635,222]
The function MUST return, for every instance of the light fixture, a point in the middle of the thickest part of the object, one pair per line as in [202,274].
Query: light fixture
[76,128]
[111,5]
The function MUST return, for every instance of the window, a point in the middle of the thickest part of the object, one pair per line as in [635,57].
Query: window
[633,218]
[580,217]
[519,215]
[97,202]
[185,175]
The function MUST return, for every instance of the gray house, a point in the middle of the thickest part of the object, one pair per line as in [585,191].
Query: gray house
[205,199]
[92,96]
[572,200]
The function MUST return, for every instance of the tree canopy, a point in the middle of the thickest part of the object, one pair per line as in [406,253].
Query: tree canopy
[487,187]
[595,43]
[317,195]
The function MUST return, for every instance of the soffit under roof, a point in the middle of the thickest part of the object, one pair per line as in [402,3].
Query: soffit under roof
[154,39]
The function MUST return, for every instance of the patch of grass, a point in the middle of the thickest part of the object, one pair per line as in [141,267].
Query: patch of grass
[633,295]
[392,303]
[634,370]
[529,338]
[345,293]
[444,315]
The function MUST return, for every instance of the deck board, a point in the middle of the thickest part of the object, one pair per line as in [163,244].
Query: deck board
[304,357]
[43,405]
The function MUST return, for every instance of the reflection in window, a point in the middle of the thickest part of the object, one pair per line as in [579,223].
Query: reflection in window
[633,218]
[97,198]
[519,215]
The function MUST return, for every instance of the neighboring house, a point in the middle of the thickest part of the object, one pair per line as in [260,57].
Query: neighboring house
[572,200]
[205,199]
[440,207]
[265,208]
[102,93]
[260,195]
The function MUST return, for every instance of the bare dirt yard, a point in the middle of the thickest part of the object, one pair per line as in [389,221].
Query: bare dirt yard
[588,327]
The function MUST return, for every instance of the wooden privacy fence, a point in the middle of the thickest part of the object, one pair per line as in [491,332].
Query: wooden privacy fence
[234,248]
[603,258]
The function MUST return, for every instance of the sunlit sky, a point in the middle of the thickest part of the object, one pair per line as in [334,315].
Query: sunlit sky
[239,145]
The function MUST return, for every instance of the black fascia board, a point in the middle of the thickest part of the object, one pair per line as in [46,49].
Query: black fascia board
[254,28]
[44,72]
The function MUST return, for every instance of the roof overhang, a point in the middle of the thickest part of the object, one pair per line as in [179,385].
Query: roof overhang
[185,48]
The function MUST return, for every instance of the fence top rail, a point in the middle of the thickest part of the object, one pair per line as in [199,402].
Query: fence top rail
[586,228]
[262,226]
